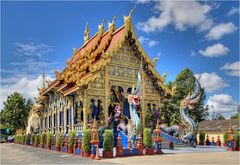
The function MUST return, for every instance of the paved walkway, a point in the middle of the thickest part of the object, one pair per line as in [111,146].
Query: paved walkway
[20,154]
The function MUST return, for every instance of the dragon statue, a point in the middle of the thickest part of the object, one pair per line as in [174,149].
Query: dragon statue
[186,105]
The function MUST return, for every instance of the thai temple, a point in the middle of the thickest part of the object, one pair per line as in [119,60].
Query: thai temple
[99,75]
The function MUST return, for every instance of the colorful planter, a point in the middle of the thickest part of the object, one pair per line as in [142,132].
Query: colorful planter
[108,154]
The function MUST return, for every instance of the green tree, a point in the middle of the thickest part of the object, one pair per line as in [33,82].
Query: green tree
[185,83]
[237,115]
[15,111]
[221,117]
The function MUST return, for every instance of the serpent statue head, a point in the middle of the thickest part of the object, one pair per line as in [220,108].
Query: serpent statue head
[191,100]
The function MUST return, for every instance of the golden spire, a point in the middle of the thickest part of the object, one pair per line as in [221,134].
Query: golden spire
[86,34]
[127,19]
[101,27]
[112,24]
[43,78]
[131,12]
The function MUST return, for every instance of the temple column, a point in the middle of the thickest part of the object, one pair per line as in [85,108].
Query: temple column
[58,120]
[85,104]
[64,119]
[106,84]
[72,107]
[52,121]
[143,98]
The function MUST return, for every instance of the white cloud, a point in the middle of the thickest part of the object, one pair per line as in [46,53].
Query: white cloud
[215,50]
[26,86]
[179,13]
[141,1]
[232,69]
[233,11]
[223,104]
[147,41]
[31,49]
[211,81]
[220,30]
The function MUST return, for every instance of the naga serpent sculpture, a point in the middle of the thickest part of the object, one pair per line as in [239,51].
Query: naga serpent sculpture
[186,104]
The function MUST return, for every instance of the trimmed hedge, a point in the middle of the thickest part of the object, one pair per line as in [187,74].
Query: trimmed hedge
[49,139]
[37,138]
[236,137]
[202,137]
[147,138]
[108,141]
[225,138]
[43,138]
[33,139]
[72,134]
[27,138]
[59,137]
[86,140]
[19,139]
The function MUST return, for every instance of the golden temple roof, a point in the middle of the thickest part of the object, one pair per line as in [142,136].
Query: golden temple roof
[96,52]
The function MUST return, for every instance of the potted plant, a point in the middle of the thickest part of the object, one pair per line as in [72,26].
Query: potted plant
[236,137]
[33,139]
[225,139]
[42,140]
[148,141]
[108,143]
[201,138]
[28,139]
[37,138]
[49,140]
[59,137]
[72,134]
[86,143]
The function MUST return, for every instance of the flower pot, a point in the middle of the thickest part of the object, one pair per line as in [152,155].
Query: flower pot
[49,148]
[57,148]
[149,151]
[86,154]
[42,145]
[108,154]
[70,150]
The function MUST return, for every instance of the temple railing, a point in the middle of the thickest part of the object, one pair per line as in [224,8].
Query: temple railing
[78,127]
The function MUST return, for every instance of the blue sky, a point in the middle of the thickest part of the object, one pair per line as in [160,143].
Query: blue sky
[203,36]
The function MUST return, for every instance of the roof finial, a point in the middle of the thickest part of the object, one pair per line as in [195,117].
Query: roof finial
[86,34]
[43,77]
[131,11]
[127,19]
[112,24]
[101,26]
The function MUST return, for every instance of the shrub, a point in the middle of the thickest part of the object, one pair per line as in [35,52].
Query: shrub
[49,139]
[72,134]
[202,137]
[108,141]
[59,137]
[27,138]
[33,138]
[86,140]
[139,128]
[236,137]
[37,138]
[147,138]
[43,138]
[225,138]
[22,139]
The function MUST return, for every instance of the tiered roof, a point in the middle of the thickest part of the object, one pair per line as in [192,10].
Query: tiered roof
[86,62]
